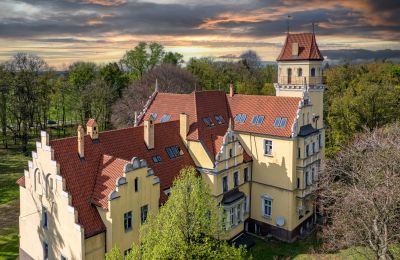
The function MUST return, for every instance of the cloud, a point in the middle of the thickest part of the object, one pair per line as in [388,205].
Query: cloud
[361,54]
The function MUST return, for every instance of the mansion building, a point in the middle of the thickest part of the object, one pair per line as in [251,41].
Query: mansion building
[260,155]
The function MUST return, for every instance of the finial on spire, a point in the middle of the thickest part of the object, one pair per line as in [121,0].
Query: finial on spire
[156,90]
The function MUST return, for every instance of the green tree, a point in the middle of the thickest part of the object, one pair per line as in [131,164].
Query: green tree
[188,226]
[114,77]
[174,58]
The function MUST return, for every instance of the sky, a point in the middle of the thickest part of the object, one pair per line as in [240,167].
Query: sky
[64,31]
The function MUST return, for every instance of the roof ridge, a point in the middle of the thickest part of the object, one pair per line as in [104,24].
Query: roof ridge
[264,96]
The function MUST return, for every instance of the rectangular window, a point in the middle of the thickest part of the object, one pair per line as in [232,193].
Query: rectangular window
[156,158]
[128,221]
[298,183]
[44,217]
[246,174]
[236,179]
[153,116]
[136,184]
[312,175]
[240,118]
[267,209]
[173,151]
[220,120]
[257,120]
[208,121]
[45,251]
[245,204]
[307,150]
[280,121]
[298,152]
[230,153]
[267,147]
[143,213]
[306,179]
[313,148]
[239,212]
[320,140]
[225,183]
[232,216]
[165,118]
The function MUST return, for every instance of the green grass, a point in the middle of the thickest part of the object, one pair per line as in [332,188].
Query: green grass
[9,243]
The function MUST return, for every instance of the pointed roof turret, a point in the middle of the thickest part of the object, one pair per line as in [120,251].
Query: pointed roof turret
[306,48]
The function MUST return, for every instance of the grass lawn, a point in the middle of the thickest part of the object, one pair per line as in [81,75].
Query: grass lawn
[9,243]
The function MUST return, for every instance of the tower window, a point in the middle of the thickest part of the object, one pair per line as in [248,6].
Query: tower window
[128,221]
[312,72]
[299,72]
[136,184]
[44,218]
[225,184]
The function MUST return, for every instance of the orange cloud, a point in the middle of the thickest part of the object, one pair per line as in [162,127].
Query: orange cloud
[98,19]
[106,2]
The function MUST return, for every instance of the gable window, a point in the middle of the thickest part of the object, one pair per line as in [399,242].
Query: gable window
[165,118]
[128,221]
[267,147]
[246,173]
[220,120]
[312,72]
[143,213]
[173,151]
[236,179]
[45,251]
[299,72]
[240,118]
[280,121]
[257,120]
[267,207]
[136,184]
[225,183]
[156,158]
[208,121]
[44,217]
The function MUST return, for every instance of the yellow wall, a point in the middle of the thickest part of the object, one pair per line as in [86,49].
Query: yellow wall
[95,247]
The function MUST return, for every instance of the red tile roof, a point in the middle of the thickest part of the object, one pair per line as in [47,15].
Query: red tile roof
[308,48]
[91,122]
[103,164]
[21,181]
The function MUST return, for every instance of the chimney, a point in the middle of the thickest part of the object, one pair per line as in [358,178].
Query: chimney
[149,134]
[183,125]
[92,129]
[231,90]
[295,49]
[81,141]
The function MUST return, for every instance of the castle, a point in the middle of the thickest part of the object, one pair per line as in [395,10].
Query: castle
[260,156]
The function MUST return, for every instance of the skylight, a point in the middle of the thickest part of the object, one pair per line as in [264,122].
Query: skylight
[156,158]
[208,121]
[280,121]
[153,116]
[240,118]
[257,120]
[165,118]
[173,151]
[220,119]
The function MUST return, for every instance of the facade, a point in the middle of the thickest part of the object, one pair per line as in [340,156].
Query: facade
[260,156]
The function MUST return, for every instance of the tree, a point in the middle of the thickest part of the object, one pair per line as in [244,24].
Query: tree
[250,60]
[4,94]
[188,225]
[360,194]
[114,77]
[174,58]
[170,79]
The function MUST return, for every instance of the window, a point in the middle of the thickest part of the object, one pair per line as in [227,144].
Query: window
[232,216]
[143,213]
[45,251]
[267,207]
[44,217]
[312,175]
[136,184]
[280,121]
[236,179]
[313,148]
[267,147]
[257,120]
[240,118]
[225,184]
[298,152]
[299,72]
[165,118]
[246,174]
[307,150]
[128,221]
[312,72]
[153,116]
[156,158]
[306,179]
[208,121]
[245,203]
[320,140]
[298,183]
[239,212]
[220,120]
[230,153]
[173,151]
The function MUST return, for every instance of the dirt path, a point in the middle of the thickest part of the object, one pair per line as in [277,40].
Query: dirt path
[9,214]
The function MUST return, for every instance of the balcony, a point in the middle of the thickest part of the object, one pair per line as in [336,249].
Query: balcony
[293,80]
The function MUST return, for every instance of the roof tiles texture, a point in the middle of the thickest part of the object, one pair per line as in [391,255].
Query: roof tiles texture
[308,48]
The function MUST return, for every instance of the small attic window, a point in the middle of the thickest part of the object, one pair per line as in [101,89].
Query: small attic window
[173,151]
[280,122]
[156,159]
[153,116]
[165,118]
[208,121]
[240,118]
[257,120]
[220,120]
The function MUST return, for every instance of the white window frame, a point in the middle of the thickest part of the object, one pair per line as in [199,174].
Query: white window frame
[266,198]
[268,149]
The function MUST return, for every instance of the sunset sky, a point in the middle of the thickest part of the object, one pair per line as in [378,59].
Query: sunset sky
[64,31]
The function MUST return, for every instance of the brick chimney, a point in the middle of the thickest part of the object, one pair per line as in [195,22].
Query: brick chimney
[183,126]
[231,90]
[92,129]
[81,141]
[149,134]
[295,49]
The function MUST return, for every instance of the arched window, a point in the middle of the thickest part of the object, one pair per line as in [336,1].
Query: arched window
[299,72]
[312,72]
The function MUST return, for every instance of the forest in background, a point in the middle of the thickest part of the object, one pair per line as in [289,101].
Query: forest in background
[35,97]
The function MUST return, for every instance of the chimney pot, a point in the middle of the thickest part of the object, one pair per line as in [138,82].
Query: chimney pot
[295,49]
[92,129]
[81,141]
[231,90]
[149,133]
[183,126]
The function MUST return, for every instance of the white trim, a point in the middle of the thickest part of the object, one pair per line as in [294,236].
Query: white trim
[264,198]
